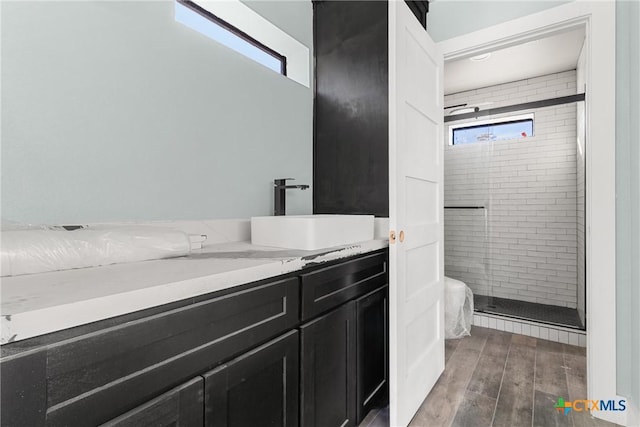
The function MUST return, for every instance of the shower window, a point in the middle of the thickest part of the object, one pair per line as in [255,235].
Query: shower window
[508,128]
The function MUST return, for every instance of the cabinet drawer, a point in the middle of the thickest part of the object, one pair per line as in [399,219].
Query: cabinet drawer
[180,407]
[95,377]
[329,287]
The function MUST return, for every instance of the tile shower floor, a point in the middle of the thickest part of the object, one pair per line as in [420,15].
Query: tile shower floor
[527,310]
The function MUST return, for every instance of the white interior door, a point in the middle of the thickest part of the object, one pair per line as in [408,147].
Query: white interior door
[416,263]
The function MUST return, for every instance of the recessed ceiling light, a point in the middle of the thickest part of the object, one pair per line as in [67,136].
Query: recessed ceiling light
[481,57]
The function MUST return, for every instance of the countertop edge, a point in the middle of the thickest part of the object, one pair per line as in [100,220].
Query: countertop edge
[28,324]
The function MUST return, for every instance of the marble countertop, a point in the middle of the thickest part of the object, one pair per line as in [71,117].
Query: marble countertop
[37,304]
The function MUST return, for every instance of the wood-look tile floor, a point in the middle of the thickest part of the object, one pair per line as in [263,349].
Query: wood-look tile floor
[495,378]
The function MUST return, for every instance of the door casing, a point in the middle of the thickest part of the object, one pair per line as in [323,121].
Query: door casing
[598,19]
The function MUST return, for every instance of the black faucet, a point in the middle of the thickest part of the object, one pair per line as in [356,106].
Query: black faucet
[279,191]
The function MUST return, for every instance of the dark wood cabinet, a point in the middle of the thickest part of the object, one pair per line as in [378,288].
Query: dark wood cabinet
[344,352]
[259,388]
[22,390]
[372,344]
[344,362]
[351,105]
[351,108]
[180,407]
[96,376]
[327,288]
[303,348]
[328,366]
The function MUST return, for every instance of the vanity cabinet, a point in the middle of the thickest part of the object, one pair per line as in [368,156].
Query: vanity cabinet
[238,357]
[343,351]
[104,370]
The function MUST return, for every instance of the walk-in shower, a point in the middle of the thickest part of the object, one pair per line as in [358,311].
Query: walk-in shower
[514,198]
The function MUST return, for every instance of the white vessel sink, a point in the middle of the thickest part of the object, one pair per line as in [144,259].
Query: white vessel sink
[310,232]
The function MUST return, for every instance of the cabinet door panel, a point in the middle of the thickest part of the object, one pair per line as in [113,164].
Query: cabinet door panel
[180,407]
[328,369]
[259,388]
[372,351]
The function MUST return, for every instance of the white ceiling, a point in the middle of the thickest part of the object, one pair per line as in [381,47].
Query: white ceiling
[532,59]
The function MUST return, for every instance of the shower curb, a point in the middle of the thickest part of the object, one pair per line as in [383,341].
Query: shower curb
[530,328]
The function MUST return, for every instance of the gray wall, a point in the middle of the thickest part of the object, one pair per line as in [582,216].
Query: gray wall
[113,111]
[628,198]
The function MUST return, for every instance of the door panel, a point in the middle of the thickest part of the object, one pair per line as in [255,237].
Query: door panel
[417,130]
[328,361]
[259,388]
[416,263]
[424,260]
[422,206]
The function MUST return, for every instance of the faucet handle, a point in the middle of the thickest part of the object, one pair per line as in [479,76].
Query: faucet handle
[282,181]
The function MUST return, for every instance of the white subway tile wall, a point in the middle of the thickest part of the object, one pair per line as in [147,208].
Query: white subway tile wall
[532,329]
[563,337]
[582,340]
[508,326]
[535,331]
[524,244]
[517,327]
[544,333]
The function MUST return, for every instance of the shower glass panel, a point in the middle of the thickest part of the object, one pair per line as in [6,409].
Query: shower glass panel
[466,239]
[466,215]
[514,218]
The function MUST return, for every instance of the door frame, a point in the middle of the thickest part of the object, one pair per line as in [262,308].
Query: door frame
[598,19]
